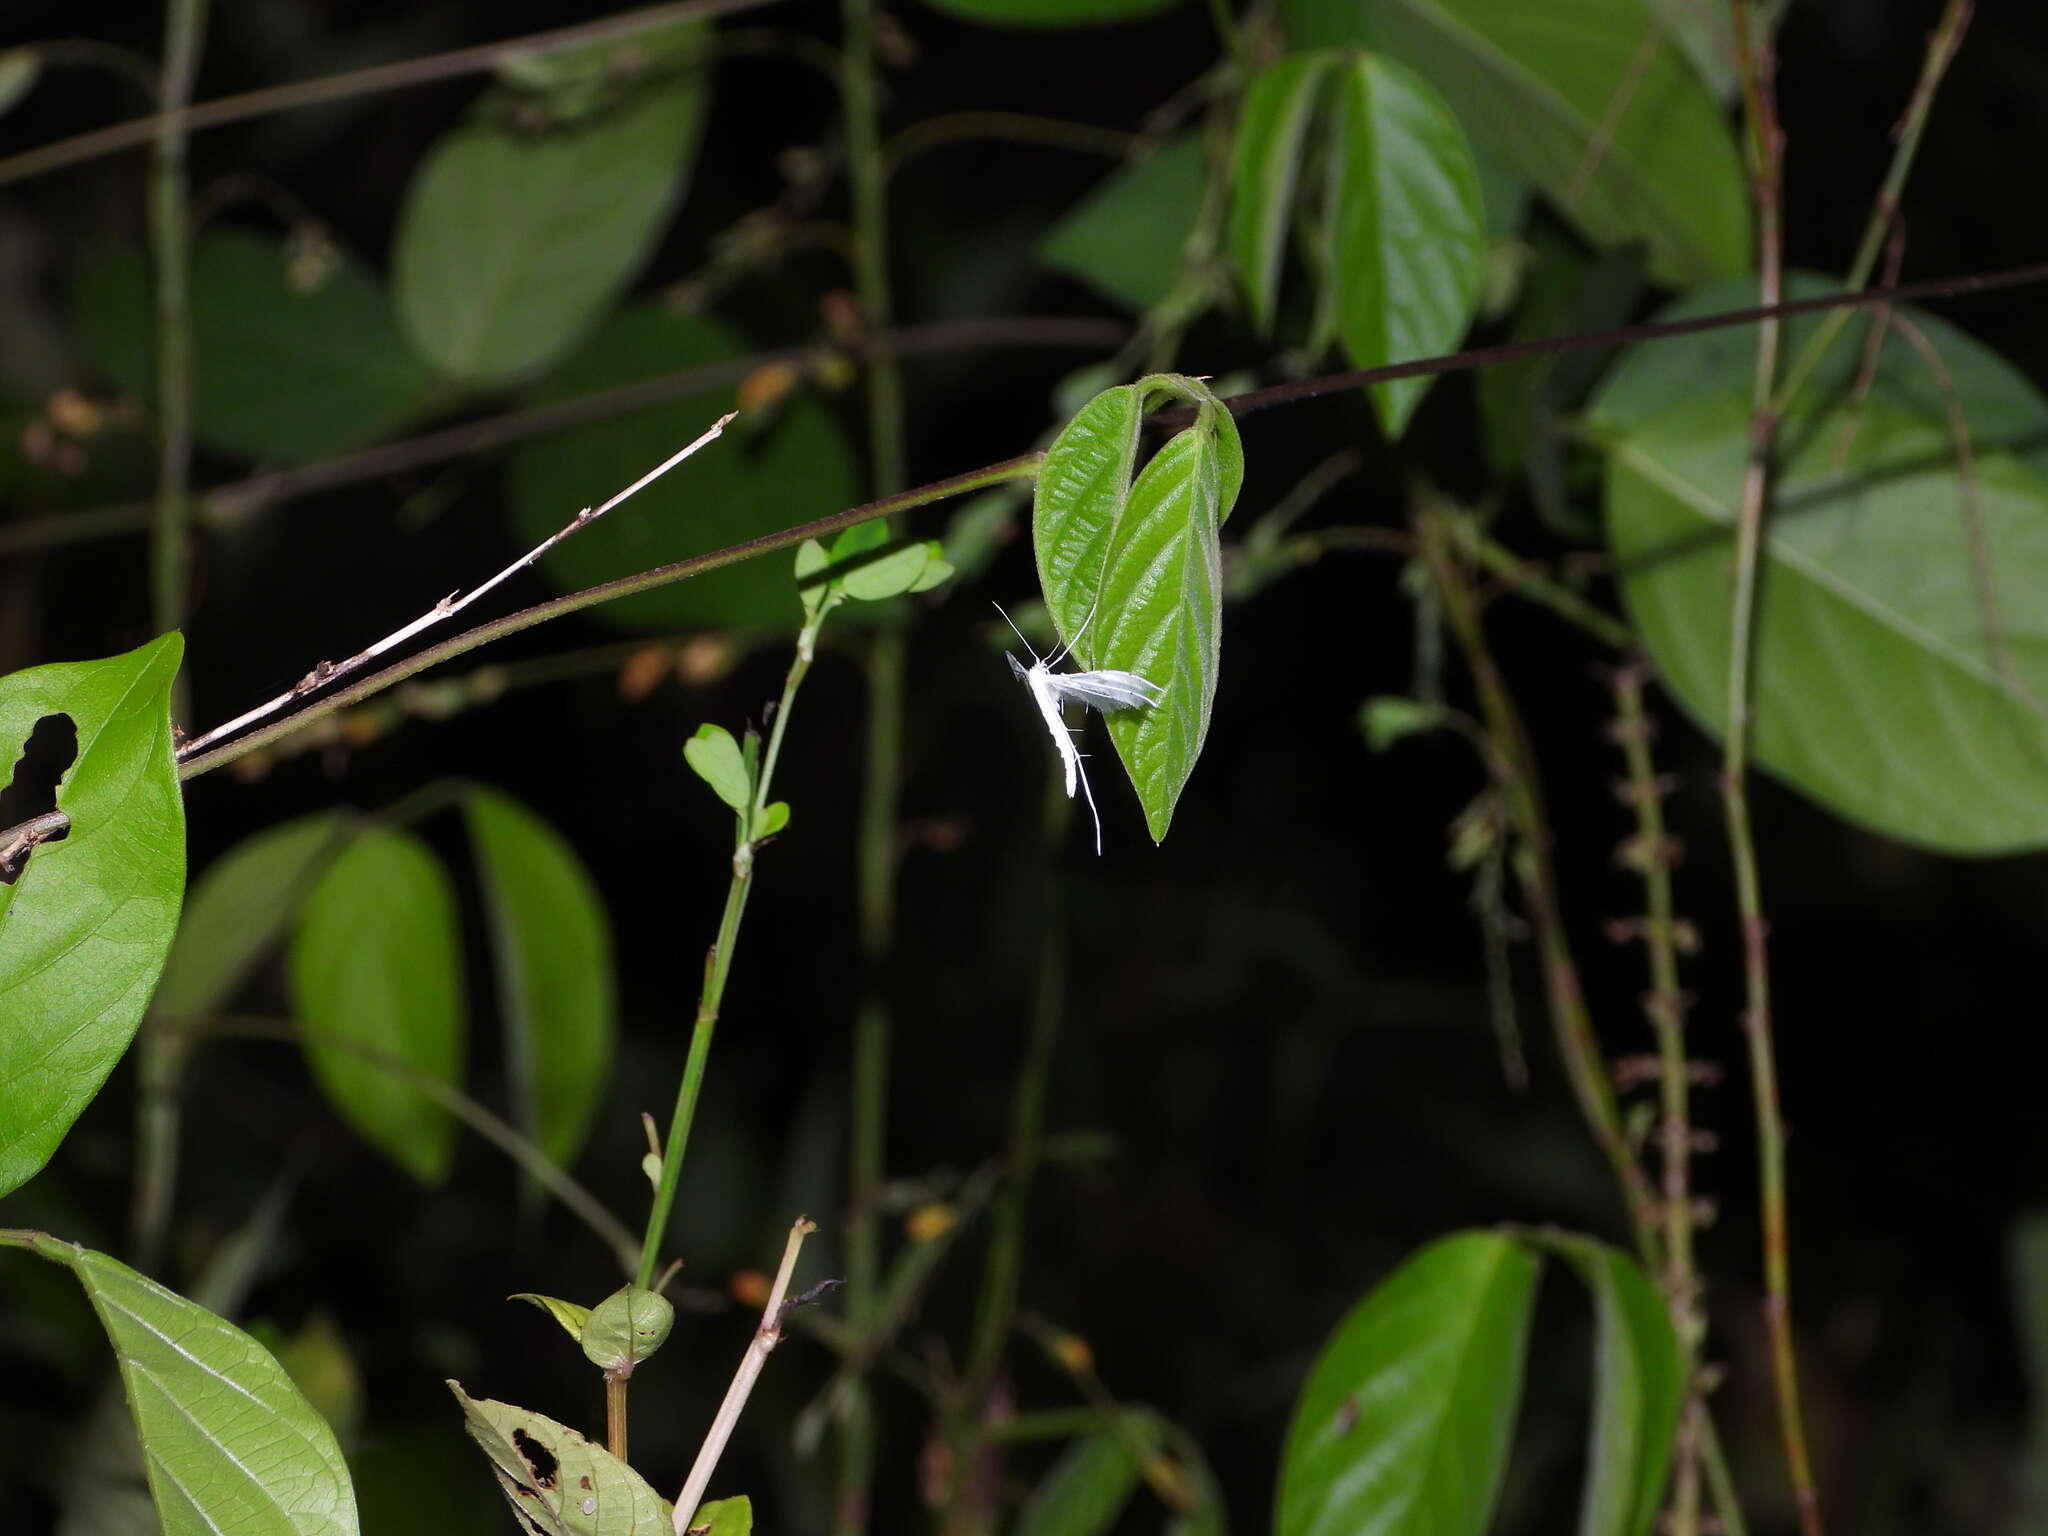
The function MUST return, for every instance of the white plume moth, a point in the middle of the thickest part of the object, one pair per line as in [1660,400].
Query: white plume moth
[1105,690]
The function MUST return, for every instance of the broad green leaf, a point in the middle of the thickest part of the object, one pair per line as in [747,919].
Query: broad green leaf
[1404,1423]
[1883,687]
[85,929]
[1265,165]
[626,1327]
[1638,1389]
[294,359]
[569,1314]
[1082,489]
[511,243]
[716,759]
[1408,230]
[1051,13]
[553,946]
[1087,1488]
[229,1443]
[766,472]
[557,1482]
[376,976]
[773,818]
[573,83]
[1126,239]
[724,1517]
[239,911]
[891,575]
[1616,128]
[936,571]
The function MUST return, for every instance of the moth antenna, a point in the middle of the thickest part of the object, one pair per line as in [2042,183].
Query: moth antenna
[1016,631]
[1067,649]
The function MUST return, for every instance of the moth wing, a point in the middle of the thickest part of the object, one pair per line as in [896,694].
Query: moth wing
[1107,690]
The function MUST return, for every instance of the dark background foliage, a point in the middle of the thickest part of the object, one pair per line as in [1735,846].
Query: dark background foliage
[1279,1019]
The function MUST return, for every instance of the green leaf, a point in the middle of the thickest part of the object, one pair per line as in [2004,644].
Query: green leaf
[1127,237]
[1882,686]
[239,910]
[773,818]
[19,68]
[377,978]
[1087,1488]
[936,571]
[1154,601]
[811,561]
[1638,1389]
[553,946]
[317,1360]
[724,1517]
[1388,718]
[1534,85]
[85,929]
[716,759]
[510,244]
[626,1327]
[557,1482]
[1407,226]
[764,473]
[293,359]
[569,1314]
[890,575]
[1265,164]
[1051,13]
[1404,1423]
[229,1443]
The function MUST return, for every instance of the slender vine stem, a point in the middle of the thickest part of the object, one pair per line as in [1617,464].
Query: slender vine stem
[718,963]
[170,253]
[360,82]
[1765,148]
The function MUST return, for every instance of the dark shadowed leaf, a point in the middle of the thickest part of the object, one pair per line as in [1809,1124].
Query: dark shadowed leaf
[375,962]
[1126,239]
[293,359]
[553,946]
[1886,685]
[1051,13]
[511,242]
[1084,1492]
[85,929]
[1577,96]
[1404,1423]
[239,911]
[229,1443]
[765,473]
[1407,227]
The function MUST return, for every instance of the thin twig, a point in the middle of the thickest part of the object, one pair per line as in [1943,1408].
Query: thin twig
[18,841]
[327,672]
[1765,146]
[361,82]
[766,1337]
[170,254]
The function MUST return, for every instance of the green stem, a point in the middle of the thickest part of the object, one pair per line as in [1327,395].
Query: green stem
[1941,50]
[184,26]
[718,966]
[1765,145]
[1531,583]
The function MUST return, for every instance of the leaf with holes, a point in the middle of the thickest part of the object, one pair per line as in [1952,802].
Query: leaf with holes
[511,242]
[552,945]
[1138,562]
[85,929]
[1901,649]
[1591,100]
[557,1482]
[1407,229]
[1404,1422]
[377,979]
[228,1442]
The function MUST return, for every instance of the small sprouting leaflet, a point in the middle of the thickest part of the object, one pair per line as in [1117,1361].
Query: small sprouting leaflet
[1105,690]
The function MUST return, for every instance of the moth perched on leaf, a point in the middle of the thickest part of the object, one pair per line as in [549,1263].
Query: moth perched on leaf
[1106,690]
